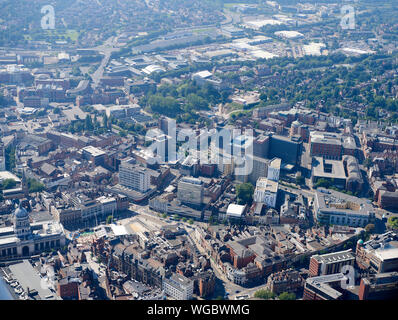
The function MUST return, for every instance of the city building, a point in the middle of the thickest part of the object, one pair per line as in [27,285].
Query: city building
[379,254]
[381,286]
[285,148]
[332,207]
[288,280]
[96,155]
[266,191]
[274,169]
[178,287]
[25,239]
[324,287]
[235,211]
[330,263]
[325,144]
[190,191]
[133,176]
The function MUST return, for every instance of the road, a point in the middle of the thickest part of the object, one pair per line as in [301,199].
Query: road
[306,193]
[107,48]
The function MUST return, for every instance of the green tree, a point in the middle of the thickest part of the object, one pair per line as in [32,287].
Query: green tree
[88,123]
[393,222]
[10,158]
[287,296]
[264,294]
[322,183]
[244,193]
[105,121]
[9,184]
[109,220]
[35,186]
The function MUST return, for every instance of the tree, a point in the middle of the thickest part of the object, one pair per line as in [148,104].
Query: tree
[168,106]
[88,123]
[244,193]
[109,220]
[393,222]
[10,158]
[287,296]
[9,184]
[196,103]
[105,122]
[35,186]
[322,183]
[190,221]
[264,294]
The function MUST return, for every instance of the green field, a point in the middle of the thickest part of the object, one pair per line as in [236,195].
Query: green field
[70,34]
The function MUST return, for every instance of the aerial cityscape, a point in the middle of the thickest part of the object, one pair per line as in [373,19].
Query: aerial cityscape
[198,150]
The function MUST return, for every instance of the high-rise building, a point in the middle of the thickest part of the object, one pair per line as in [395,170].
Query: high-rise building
[287,149]
[274,169]
[266,192]
[261,146]
[260,169]
[190,191]
[133,176]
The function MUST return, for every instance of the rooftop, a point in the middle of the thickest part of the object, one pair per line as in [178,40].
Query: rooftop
[29,278]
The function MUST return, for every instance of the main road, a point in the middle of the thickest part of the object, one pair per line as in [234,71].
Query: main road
[107,48]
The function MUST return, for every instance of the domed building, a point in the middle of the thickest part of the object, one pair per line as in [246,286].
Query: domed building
[25,239]
[21,224]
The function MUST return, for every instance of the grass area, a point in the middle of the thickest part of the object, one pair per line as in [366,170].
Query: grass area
[233,106]
[70,34]
[203,30]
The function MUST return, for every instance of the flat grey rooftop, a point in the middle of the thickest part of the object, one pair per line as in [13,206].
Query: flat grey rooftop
[28,277]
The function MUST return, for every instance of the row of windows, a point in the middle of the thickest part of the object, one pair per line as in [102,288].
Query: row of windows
[47,245]
[38,246]
[9,252]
